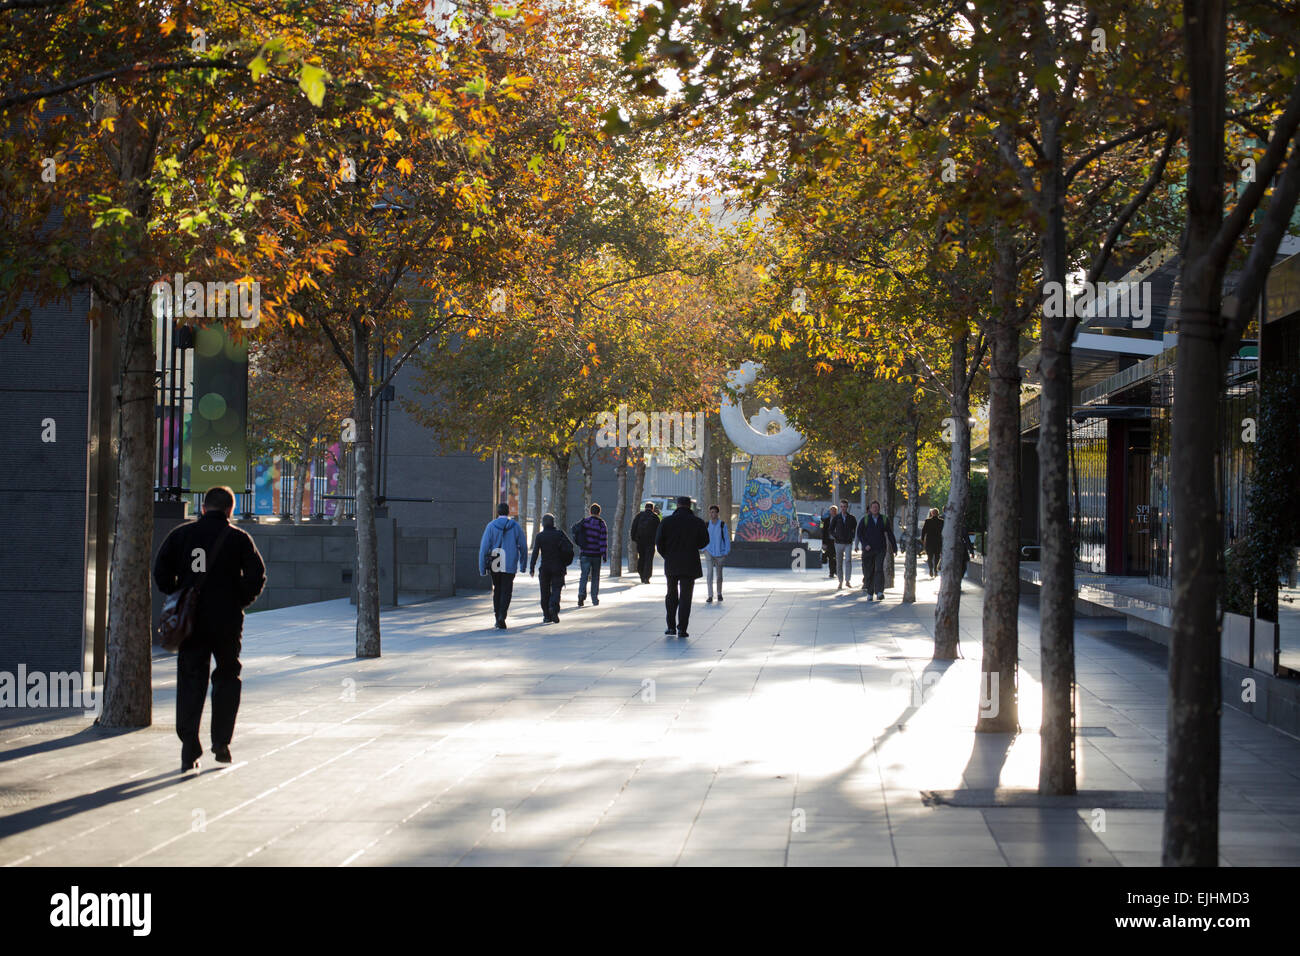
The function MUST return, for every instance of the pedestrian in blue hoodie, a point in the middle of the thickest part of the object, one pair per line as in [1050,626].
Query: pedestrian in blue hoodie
[501,553]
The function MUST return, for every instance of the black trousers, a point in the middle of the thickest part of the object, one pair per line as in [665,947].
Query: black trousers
[828,552]
[932,559]
[192,671]
[503,588]
[645,560]
[873,570]
[678,600]
[550,582]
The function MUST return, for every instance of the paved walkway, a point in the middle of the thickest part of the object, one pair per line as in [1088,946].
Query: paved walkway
[796,726]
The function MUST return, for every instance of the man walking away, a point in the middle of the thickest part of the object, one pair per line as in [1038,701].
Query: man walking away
[932,538]
[682,535]
[716,550]
[645,526]
[501,553]
[875,535]
[592,547]
[843,530]
[556,551]
[828,545]
[224,561]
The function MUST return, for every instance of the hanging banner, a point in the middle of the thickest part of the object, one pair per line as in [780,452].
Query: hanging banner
[218,446]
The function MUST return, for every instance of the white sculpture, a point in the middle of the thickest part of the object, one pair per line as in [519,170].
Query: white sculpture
[752,436]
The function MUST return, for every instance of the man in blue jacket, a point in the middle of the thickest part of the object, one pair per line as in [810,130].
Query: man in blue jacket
[716,550]
[501,553]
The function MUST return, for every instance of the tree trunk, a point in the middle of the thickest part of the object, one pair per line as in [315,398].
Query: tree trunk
[709,466]
[537,499]
[560,490]
[725,490]
[367,537]
[128,679]
[1192,765]
[1056,770]
[638,493]
[302,477]
[523,494]
[341,484]
[913,491]
[1002,558]
[619,530]
[588,460]
[947,637]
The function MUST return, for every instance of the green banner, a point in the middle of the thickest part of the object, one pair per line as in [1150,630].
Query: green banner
[218,446]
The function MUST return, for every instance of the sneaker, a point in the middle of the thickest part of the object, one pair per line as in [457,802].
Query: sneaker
[709,601]
[595,602]
[671,632]
[221,754]
[581,602]
[682,634]
[719,597]
[868,598]
[880,597]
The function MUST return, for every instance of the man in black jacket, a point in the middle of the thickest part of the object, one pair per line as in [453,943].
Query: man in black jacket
[224,561]
[557,554]
[875,535]
[932,537]
[681,536]
[645,527]
[828,545]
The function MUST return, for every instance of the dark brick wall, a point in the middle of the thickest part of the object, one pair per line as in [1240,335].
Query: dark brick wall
[43,490]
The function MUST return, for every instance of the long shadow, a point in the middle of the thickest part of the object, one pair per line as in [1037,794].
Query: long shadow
[88,735]
[48,813]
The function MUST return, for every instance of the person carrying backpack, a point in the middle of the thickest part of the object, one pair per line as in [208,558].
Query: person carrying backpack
[716,550]
[556,552]
[645,526]
[501,553]
[592,539]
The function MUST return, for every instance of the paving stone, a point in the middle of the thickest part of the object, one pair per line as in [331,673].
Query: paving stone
[764,744]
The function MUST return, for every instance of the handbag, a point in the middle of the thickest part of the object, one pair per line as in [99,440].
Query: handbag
[181,607]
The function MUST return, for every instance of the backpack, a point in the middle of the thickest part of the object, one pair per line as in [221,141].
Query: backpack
[579,534]
[181,607]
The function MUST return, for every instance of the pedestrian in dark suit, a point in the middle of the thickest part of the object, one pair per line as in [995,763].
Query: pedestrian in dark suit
[877,540]
[932,537]
[222,558]
[681,536]
[828,543]
[645,527]
[556,551]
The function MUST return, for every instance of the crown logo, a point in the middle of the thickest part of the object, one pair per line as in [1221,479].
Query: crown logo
[218,453]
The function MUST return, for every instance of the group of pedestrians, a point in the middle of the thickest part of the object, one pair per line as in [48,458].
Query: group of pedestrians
[843,535]
[680,539]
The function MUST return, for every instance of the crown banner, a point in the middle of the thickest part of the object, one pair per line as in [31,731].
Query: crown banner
[218,441]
